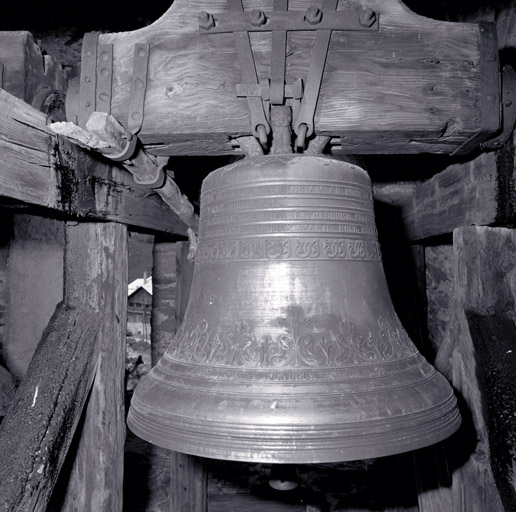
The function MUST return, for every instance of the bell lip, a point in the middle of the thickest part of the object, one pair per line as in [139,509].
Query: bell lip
[408,437]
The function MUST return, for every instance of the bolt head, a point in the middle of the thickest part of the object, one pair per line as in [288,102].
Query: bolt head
[206,20]
[257,18]
[313,15]
[367,18]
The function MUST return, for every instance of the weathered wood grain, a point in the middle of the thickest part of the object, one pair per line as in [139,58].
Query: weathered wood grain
[481,254]
[494,339]
[469,475]
[163,328]
[188,474]
[249,503]
[27,73]
[42,170]
[96,275]
[474,193]
[413,75]
[38,428]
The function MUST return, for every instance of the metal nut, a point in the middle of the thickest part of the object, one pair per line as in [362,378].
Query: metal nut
[367,18]
[206,20]
[257,18]
[313,15]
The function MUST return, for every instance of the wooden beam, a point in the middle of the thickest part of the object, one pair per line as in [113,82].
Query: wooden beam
[43,170]
[477,192]
[96,274]
[189,474]
[420,83]
[27,73]
[39,426]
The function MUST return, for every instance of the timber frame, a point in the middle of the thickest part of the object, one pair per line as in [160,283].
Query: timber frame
[470,205]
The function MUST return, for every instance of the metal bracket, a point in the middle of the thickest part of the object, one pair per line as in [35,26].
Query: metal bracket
[88,79]
[95,89]
[261,94]
[138,87]
[259,123]
[508,109]
[104,78]
[284,20]
[1,75]
[96,78]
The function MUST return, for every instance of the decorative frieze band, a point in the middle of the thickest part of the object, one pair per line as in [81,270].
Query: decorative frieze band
[300,345]
[288,249]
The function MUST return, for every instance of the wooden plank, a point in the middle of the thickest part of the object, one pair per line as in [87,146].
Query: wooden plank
[163,329]
[96,274]
[482,287]
[38,429]
[43,170]
[188,483]
[494,339]
[477,192]
[413,75]
[184,271]
[249,503]
[27,73]
[189,474]
[480,254]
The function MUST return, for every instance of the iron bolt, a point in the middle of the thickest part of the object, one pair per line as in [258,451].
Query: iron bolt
[313,15]
[367,18]
[206,20]
[257,18]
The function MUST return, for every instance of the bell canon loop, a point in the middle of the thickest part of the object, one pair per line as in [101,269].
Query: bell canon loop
[290,350]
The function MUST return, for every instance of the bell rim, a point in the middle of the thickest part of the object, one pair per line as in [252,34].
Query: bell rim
[323,446]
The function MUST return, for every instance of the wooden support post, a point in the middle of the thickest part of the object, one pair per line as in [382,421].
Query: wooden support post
[486,271]
[189,481]
[37,431]
[163,328]
[472,471]
[96,274]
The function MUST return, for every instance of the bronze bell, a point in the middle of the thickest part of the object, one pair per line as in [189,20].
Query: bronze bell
[290,350]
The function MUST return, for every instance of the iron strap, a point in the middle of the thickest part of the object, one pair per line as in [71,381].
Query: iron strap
[278,58]
[304,124]
[343,19]
[104,78]
[88,79]
[508,109]
[259,124]
[138,87]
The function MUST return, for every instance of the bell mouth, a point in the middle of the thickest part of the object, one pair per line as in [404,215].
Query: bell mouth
[290,350]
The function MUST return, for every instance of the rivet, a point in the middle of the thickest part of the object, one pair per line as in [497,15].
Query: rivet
[313,15]
[206,20]
[104,72]
[141,52]
[103,96]
[367,18]
[136,116]
[257,18]
[87,79]
[104,55]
